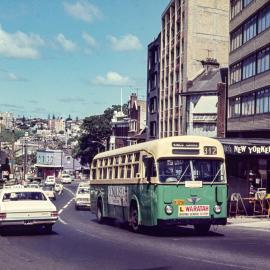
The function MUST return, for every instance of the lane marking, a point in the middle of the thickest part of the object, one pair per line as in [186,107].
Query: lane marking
[62,221]
[70,191]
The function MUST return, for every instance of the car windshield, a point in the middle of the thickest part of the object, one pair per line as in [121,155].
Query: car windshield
[180,170]
[83,191]
[24,196]
[65,176]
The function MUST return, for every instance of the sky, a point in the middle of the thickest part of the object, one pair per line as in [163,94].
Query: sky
[72,57]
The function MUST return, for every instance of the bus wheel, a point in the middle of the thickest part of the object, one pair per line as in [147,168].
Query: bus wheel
[100,217]
[134,219]
[202,228]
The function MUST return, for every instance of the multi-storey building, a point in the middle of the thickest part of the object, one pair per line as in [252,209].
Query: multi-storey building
[248,126]
[249,89]
[153,72]
[191,31]
[7,120]
[57,125]
[128,129]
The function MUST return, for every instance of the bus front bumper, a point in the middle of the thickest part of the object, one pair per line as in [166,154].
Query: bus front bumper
[192,221]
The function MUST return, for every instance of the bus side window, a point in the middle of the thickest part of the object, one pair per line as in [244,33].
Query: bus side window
[150,167]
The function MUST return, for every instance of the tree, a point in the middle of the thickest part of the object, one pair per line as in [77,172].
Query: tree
[96,131]
[108,113]
[95,134]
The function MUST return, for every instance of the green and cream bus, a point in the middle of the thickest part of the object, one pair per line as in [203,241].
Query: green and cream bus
[171,181]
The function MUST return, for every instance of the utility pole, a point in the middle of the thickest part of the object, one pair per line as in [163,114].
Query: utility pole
[1,118]
[24,160]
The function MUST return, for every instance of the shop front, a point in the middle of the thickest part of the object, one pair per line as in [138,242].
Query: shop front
[248,173]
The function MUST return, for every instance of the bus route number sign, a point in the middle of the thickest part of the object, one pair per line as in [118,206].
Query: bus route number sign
[210,150]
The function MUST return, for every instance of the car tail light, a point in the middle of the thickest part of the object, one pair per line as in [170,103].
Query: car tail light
[54,214]
[3,215]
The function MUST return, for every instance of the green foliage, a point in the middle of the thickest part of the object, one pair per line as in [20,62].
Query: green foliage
[10,136]
[96,131]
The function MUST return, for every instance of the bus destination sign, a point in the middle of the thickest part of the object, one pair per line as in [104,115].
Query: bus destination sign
[185,144]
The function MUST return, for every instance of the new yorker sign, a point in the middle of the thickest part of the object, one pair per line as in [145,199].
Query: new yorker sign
[238,149]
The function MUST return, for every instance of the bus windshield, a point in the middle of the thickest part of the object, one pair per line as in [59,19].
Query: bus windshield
[181,170]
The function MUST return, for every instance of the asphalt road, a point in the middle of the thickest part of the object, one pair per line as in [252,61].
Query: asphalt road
[79,242]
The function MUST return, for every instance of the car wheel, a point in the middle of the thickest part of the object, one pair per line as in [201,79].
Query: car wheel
[134,219]
[48,228]
[202,228]
[76,207]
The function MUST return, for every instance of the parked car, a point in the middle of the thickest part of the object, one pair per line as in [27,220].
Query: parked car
[50,180]
[66,179]
[82,198]
[49,191]
[26,206]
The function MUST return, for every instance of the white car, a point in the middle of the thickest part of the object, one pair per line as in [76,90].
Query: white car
[50,180]
[58,187]
[26,206]
[82,198]
[66,179]
[50,192]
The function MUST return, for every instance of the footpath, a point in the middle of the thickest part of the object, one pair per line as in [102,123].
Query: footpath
[256,222]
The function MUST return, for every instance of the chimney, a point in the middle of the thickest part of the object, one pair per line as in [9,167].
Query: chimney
[209,64]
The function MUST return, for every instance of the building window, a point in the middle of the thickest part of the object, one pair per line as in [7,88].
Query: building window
[153,129]
[246,2]
[263,101]
[249,67]
[153,105]
[263,60]
[236,7]
[248,105]
[235,107]
[235,73]
[249,29]
[236,39]
[264,19]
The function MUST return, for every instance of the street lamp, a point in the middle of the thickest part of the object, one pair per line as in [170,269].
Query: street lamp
[100,143]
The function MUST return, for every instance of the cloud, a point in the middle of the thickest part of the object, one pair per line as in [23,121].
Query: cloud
[33,101]
[113,79]
[20,44]
[66,44]
[71,100]
[128,42]
[10,76]
[83,10]
[90,41]
[11,106]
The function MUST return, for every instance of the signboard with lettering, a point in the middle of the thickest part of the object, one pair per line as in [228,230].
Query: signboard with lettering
[185,144]
[52,158]
[238,149]
[118,195]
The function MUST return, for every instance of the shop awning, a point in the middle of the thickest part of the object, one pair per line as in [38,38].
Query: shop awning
[245,146]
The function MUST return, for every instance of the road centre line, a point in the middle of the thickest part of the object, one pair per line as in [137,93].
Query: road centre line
[70,191]
[62,221]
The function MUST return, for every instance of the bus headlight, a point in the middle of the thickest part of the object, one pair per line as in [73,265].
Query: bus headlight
[168,209]
[217,209]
